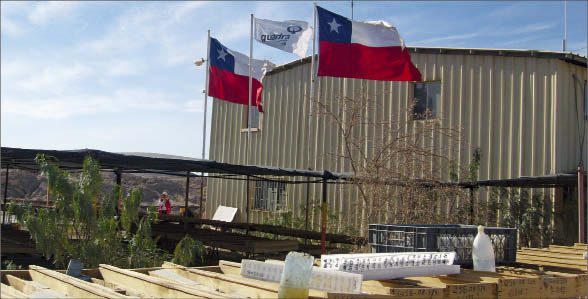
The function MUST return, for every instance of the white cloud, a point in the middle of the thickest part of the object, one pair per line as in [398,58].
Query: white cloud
[448,38]
[194,106]
[9,27]
[124,67]
[53,79]
[61,107]
[45,12]
[533,28]
[181,10]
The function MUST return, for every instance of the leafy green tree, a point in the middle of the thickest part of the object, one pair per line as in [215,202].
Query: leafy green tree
[76,229]
[189,252]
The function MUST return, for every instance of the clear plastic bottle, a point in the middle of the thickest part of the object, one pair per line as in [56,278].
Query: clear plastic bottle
[483,252]
[296,276]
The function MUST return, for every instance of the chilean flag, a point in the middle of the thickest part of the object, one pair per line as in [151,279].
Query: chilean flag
[362,50]
[229,75]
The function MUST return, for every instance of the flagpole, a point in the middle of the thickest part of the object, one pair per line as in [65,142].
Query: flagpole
[250,90]
[206,94]
[249,118]
[312,80]
[205,112]
[312,73]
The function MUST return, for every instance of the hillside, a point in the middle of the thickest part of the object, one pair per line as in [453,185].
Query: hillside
[32,186]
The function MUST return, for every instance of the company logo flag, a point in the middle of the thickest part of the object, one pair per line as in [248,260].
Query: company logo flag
[229,75]
[290,36]
[363,50]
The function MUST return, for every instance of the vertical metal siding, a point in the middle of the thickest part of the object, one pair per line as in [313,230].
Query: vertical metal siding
[518,110]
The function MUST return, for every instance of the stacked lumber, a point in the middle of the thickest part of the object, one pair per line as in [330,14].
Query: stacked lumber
[571,257]
[225,281]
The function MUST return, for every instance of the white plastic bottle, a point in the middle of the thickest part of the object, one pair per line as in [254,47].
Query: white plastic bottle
[296,276]
[483,252]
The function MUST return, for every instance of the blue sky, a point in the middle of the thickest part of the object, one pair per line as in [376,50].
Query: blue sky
[119,76]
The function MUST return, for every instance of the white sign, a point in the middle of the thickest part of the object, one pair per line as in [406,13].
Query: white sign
[322,279]
[225,214]
[392,265]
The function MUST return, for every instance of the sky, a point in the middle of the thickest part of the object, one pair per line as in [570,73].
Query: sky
[119,76]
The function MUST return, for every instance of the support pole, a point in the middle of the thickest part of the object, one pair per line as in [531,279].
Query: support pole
[581,199]
[48,199]
[324,219]
[201,195]
[186,200]
[5,194]
[118,173]
[247,204]
[471,205]
[307,207]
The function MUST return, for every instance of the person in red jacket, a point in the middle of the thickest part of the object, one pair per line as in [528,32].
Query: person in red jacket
[164,206]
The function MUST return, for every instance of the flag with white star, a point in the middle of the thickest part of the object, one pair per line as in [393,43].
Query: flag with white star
[229,75]
[363,50]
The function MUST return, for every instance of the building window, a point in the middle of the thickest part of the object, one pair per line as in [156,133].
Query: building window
[427,96]
[270,196]
[254,114]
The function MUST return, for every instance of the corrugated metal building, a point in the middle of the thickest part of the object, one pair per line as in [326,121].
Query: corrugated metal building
[518,106]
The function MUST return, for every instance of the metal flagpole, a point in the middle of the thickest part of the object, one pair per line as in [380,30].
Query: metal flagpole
[250,90]
[249,117]
[565,25]
[312,73]
[204,127]
[206,94]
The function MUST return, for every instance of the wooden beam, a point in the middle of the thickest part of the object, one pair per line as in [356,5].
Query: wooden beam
[120,289]
[7,291]
[230,267]
[153,285]
[28,287]
[230,284]
[22,250]
[70,286]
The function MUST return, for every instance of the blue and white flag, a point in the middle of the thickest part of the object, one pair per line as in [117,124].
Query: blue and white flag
[290,36]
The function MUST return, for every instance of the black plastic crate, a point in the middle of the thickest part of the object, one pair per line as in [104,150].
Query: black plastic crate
[442,237]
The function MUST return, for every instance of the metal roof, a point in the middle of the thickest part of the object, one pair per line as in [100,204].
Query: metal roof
[565,56]
[148,163]
[178,165]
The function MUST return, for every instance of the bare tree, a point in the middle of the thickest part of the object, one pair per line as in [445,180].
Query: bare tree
[399,167]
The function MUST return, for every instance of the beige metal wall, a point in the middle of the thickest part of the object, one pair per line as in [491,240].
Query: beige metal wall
[518,110]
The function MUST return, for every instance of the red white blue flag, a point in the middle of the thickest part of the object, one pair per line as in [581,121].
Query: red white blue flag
[229,75]
[362,50]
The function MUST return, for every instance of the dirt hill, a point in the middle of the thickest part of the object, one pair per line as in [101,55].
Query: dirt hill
[32,186]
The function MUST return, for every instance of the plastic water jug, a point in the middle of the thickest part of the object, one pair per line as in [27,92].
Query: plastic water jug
[483,252]
[296,276]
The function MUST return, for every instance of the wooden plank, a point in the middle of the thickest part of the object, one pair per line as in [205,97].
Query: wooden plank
[569,248]
[394,293]
[152,285]
[120,289]
[554,263]
[559,256]
[15,250]
[168,274]
[228,267]
[7,291]
[563,287]
[230,284]
[553,251]
[548,264]
[70,286]
[27,287]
